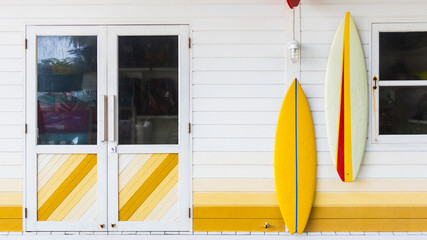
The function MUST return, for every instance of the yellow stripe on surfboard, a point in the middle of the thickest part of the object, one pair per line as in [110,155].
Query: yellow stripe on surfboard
[348,168]
[345,94]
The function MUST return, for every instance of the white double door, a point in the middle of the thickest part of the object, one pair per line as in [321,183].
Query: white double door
[107,128]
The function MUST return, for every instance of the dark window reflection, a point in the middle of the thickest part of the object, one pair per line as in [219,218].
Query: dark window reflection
[148,90]
[66,89]
[403,55]
[403,110]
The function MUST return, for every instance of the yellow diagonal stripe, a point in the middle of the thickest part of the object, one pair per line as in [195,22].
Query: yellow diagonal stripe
[140,177]
[51,168]
[83,206]
[164,206]
[58,177]
[74,197]
[158,194]
[148,187]
[132,169]
[66,187]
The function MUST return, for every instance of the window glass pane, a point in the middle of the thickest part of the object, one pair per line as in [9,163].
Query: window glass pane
[403,55]
[66,89]
[403,110]
[148,90]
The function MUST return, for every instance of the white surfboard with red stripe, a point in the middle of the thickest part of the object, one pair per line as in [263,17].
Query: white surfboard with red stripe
[346,100]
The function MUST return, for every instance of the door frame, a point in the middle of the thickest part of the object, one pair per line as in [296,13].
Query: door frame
[183,146]
[105,214]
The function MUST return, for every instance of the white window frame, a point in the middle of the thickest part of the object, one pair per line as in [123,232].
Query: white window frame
[392,142]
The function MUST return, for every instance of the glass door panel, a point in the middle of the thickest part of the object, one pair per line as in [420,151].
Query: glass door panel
[148,114]
[148,89]
[66,90]
[149,155]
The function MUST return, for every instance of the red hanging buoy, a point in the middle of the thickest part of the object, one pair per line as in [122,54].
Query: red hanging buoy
[293,3]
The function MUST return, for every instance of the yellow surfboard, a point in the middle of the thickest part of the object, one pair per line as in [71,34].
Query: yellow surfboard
[295,159]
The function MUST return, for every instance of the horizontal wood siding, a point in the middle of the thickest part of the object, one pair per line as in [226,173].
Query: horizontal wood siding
[11,126]
[238,69]
[233,140]
[238,84]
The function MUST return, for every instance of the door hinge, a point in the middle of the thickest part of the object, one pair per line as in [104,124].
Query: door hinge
[189,42]
[189,127]
[189,212]
[26,128]
[25,213]
[26,43]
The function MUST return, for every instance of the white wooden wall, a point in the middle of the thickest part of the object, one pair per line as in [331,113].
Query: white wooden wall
[11,112]
[319,20]
[244,127]
[238,71]
[238,75]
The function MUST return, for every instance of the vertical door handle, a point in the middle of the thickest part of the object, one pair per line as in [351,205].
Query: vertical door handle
[104,120]
[111,118]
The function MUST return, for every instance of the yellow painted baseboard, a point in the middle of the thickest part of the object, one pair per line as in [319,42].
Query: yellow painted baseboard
[366,225]
[10,225]
[11,219]
[10,212]
[314,225]
[322,185]
[236,212]
[324,199]
[224,212]
[369,213]
[239,225]
[322,219]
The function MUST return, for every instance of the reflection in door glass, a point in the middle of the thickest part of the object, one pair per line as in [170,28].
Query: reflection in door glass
[148,90]
[66,89]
